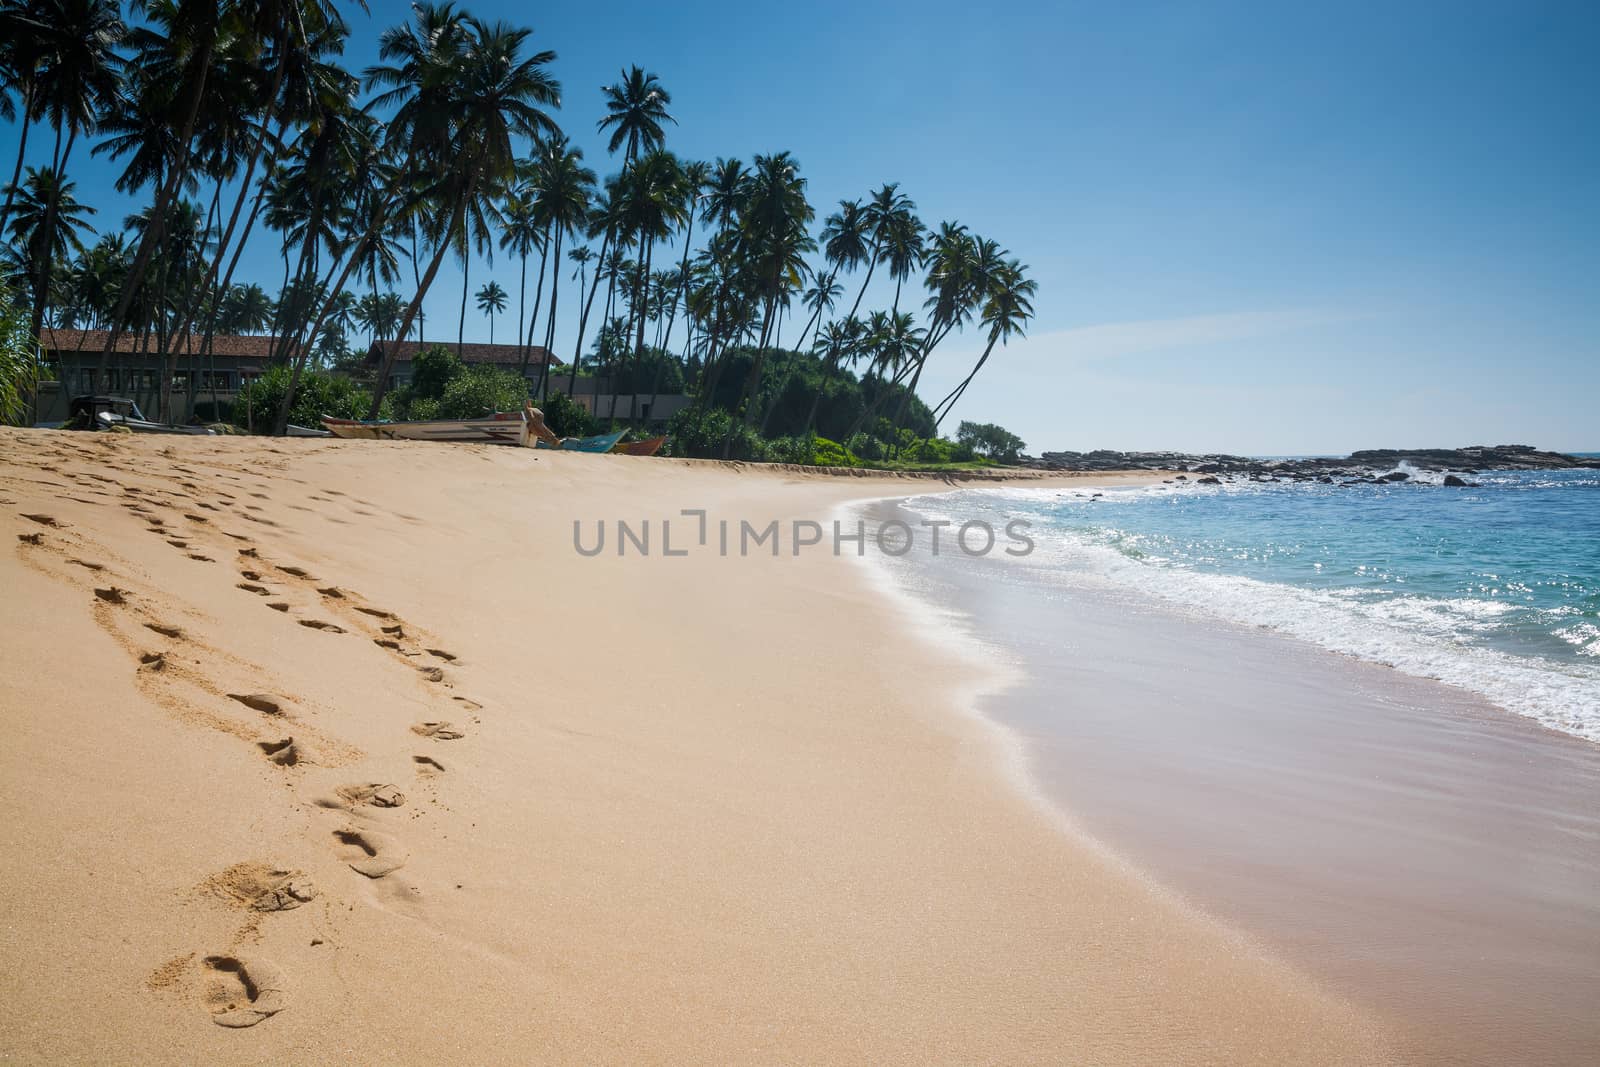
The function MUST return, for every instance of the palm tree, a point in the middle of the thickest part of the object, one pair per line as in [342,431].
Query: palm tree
[635,109]
[773,218]
[650,206]
[461,94]
[47,223]
[168,73]
[1007,307]
[565,186]
[520,234]
[491,301]
[583,255]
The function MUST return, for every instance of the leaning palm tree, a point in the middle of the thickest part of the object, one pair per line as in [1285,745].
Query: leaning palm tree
[491,301]
[583,255]
[1007,307]
[520,234]
[635,109]
[461,95]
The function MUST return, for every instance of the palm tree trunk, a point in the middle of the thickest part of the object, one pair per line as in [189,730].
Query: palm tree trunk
[522,301]
[550,320]
[945,406]
[538,299]
[281,426]
[642,299]
[572,374]
[381,386]
[466,273]
[588,305]
[22,151]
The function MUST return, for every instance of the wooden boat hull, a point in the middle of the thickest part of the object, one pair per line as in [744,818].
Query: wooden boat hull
[501,428]
[602,442]
[648,447]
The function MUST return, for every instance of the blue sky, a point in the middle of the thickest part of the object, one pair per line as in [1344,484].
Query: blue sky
[1259,228]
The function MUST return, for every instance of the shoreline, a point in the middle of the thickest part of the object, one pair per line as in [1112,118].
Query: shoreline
[1269,798]
[698,812]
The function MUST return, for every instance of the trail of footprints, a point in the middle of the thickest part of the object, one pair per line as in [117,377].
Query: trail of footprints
[241,988]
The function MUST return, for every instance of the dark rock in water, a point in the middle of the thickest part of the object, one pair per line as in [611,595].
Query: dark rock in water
[1209,479]
[1181,478]
[1396,476]
[1359,464]
[1451,479]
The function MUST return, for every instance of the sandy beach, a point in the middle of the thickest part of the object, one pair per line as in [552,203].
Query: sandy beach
[491,800]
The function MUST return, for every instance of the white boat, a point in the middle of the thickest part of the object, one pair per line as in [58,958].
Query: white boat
[501,428]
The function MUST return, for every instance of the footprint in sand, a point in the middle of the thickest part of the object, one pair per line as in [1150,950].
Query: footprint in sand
[266,703]
[378,794]
[112,595]
[199,558]
[245,990]
[43,520]
[427,765]
[318,624]
[377,614]
[250,576]
[468,703]
[31,539]
[298,572]
[153,661]
[432,674]
[251,587]
[285,753]
[177,544]
[332,592]
[87,565]
[251,552]
[261,887]
[439,731]
[371,853]
[439,653]
[197,518]
[164,631]
[277,605]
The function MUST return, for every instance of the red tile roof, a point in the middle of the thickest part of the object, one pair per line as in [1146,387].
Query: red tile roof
[88,342]
[469,352]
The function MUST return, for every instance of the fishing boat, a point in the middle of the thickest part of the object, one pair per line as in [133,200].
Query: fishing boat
[648,447]
[501,428]
[600,442]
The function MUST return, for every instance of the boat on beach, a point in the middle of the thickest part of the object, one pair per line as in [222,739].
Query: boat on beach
[499,428]
[600,442]
[648,447]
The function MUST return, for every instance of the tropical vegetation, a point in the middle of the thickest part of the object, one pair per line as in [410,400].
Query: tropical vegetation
[235,121]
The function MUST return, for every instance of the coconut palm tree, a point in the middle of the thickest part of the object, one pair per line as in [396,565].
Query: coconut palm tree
[1007,307]
[583,255]
[491,301]
[635,109]
[47,224]
[461,94]
[649,208]
[773,219]
[565,186]
[520,234]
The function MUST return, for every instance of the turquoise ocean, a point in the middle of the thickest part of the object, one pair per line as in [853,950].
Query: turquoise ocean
[1494,588]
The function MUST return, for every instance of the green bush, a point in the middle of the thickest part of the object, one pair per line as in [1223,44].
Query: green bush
[702,433]
[565,418]
[988,439]
[317,395]
[477,391]
[16,362]
[826,453]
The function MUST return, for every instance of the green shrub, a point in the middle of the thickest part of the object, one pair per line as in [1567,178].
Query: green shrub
[565,418]
[988,439]
[477,391]
[826,453]
[16,363]
[702,433]
[317,395]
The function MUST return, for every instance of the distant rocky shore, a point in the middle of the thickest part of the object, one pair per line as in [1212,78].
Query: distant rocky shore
[1371,465]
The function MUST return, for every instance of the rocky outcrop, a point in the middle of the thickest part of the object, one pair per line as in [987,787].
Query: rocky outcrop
[1364,466]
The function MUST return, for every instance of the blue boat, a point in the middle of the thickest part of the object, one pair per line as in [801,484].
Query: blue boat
[601,442]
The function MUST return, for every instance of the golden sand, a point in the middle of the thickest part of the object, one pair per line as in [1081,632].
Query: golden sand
[326,751]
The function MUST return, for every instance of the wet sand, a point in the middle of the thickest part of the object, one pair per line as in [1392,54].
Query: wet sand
[1423,852]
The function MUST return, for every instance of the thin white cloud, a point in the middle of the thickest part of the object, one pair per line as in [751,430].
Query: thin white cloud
[1111,340]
